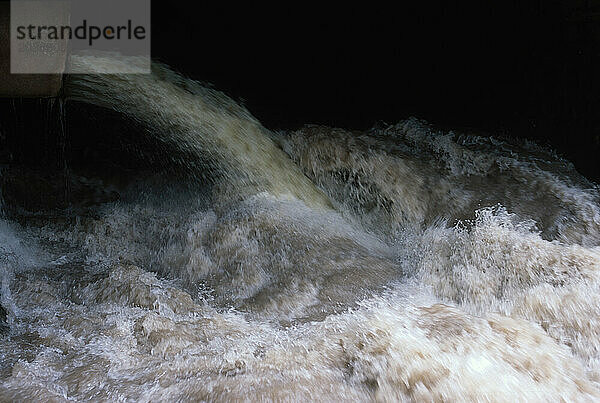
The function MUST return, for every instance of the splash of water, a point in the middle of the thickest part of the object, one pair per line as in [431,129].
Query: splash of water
[455,268]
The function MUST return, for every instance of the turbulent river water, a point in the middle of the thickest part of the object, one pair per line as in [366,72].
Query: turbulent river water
[399,264]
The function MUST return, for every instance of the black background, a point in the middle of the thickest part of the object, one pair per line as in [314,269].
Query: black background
[517,68]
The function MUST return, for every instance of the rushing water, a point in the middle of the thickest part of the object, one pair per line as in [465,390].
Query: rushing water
[400,263]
